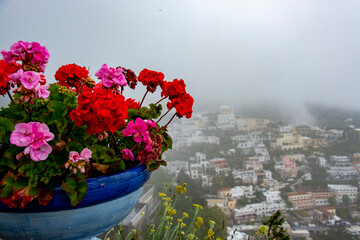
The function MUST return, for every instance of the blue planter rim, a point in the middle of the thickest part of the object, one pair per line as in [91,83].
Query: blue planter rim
[100,189]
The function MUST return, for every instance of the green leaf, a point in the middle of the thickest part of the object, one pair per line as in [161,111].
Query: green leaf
[16,192]
[5,125]
[75,187]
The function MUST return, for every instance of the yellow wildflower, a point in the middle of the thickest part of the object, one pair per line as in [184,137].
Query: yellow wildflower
[185,215]
[166,227]
[182,232]
[181,189]
[197,206]
[152,230]
[211,223]
[142,213]
[162,194]
[263,230]
[191,236]
[179,220]
[210,234]
[199,222]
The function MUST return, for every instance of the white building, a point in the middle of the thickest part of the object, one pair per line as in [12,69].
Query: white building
[239,192]
[174,167]
[341,190]
[225,118]
[272,197]
[245,176]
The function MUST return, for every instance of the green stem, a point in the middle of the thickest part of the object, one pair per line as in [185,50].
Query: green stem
[29,109]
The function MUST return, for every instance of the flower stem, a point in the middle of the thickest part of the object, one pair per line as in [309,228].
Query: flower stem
[170,120]
[80,89]
[143,99]
[159,101]
[29,109]
[163,115]
[115,145]
[10,96]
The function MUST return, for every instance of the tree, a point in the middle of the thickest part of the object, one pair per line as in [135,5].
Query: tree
[332,201]
[346,200]
[273,229]
[217,215]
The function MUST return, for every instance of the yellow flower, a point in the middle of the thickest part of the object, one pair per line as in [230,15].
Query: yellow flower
[199,222]
[162,194]
[185,184]
[191,236]
[210,234]
[181,189]
[142,213]
[179,220]
[197,206]
[166,227]
[185,215]
[211,223]
[263,230]
[182,232]
[173,212]
[152,230]
[218,238]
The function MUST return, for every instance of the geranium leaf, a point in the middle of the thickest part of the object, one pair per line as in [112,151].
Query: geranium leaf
[16,191]
[75,187]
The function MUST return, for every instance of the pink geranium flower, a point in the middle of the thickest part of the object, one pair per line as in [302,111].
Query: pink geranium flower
[85,154]
[27,52]
[74,156]
[42,91]
[111,76]
[29,79]
[34,136]
[138,130]
[127,154]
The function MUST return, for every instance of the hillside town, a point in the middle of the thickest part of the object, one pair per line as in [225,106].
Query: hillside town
[298,169]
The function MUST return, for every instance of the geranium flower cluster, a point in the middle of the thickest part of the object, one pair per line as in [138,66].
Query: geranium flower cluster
[34,136]
[179,98]
[151,79]
[101,110]
[77,161]
[72,75]
[32,55]
[130,77]
[111,77]
[140,130]
[30,84]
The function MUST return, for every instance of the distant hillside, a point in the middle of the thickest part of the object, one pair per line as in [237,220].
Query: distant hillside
[326,116]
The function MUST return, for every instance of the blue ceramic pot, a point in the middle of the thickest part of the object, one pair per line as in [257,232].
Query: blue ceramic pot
[108,201]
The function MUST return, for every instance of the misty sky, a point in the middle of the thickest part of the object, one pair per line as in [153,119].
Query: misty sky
[235,52]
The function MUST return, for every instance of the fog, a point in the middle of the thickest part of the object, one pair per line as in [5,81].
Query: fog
[249,53]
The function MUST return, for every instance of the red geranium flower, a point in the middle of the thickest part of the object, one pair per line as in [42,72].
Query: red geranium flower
[183,105]
[132,104]
[71,75]
[173,89]
[151,79]
[101,110]
[130,77]
[6,69]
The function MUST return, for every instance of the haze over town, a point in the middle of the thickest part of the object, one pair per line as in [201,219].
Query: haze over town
[282,54]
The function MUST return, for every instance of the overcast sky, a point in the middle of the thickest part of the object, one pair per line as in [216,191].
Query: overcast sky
[227,51]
